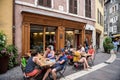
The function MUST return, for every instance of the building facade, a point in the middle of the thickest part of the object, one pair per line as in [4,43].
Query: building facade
[39,23]
[6,19]
[99,26]
[112,17]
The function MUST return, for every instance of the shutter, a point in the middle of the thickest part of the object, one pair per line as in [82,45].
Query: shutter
[70,6]
[40,2]
[117,6]
[75,6]
[48,3]
[90,8]
[98,15]
[45,3]
[116,18]
[110,10]
[86,2]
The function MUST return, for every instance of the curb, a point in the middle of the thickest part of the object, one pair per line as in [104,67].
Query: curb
[111,59]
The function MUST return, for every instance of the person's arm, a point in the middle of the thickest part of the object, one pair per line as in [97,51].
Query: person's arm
[93,52]
[36,60]
[45,54]
[77,54]
[89,52]
[58,57]
[53,54]
[61,62]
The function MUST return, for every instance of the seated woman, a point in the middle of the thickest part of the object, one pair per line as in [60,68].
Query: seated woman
[91,52]
[59,65]
[30,69]
[78,58]
[81,48]
[49,54]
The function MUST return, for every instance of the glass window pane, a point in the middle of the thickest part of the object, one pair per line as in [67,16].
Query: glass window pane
[50,37]
[36,37]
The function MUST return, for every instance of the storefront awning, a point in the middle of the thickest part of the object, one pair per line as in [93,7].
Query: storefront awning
[89,27]
[117,35]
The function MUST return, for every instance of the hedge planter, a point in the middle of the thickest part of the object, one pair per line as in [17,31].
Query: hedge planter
[4,61]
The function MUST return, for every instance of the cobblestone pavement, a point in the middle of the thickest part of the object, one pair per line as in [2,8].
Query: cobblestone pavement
[109,72]
[16,73]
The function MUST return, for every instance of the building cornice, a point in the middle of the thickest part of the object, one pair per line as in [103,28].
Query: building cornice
[51,10]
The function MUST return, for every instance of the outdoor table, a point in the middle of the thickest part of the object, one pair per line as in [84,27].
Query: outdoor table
[45,61]
[85,55]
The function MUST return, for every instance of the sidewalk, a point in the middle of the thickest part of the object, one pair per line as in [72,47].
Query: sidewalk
[16,73]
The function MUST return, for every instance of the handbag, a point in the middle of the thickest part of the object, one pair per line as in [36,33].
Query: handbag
[70,57]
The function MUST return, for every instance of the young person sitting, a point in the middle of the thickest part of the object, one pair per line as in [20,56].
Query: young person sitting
[91,52]
[30,69]
[79,59]
[59,65]
[49,53]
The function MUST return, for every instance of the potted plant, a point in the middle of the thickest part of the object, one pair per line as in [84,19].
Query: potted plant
[8,54]
[107,44]
[4,55]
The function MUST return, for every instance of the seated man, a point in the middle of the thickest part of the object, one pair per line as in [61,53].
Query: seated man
[59,65]
[30,69]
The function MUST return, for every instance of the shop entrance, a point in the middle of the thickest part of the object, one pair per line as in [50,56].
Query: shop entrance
[88,34]
[97,40]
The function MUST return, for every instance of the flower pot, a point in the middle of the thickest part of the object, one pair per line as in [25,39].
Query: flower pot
[4,61]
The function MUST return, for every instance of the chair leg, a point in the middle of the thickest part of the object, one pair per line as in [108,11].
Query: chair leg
[61,74]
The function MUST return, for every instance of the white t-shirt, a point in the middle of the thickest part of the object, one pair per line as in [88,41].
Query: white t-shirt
[82,49]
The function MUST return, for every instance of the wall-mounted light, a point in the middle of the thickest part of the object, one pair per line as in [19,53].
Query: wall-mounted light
[34,34]
[52,32]
[46,32]
[40,33]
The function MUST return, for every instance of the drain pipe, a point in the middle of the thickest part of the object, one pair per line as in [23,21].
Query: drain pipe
[13,23]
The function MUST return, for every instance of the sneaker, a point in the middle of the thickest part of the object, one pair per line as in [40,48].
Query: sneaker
[89,67]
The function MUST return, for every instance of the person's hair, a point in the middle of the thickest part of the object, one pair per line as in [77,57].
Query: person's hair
[62,50]
[91,46]
[34,53]
[80,46]
[49,47]
[71,46]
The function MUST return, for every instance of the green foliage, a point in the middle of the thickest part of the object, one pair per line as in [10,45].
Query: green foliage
[107,44]
[8,50]
[3,50]
[14,54]
[2,39]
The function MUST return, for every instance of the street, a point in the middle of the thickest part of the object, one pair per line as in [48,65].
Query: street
[100,71]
